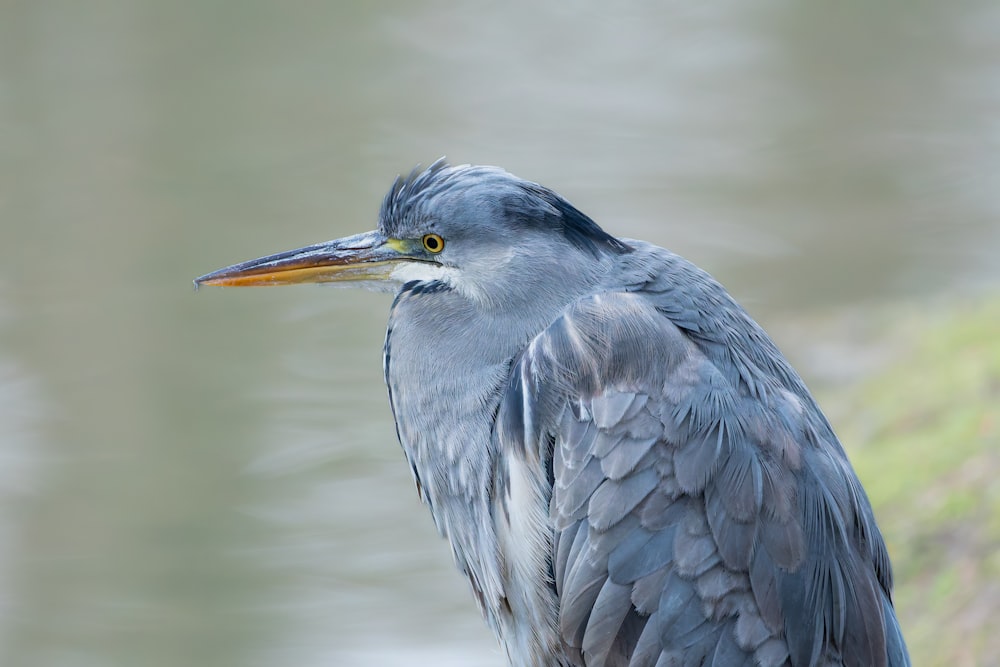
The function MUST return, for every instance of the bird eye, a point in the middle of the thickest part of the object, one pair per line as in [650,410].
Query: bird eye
[433,243]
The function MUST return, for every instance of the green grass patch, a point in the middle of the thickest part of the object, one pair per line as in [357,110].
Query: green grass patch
[924,436]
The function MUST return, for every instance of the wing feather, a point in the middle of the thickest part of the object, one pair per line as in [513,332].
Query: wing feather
[615,498]
[703,512]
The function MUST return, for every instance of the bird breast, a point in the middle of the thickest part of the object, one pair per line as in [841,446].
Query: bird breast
[492,506]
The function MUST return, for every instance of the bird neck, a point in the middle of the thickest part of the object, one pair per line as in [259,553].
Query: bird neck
[445,374]
[447,363]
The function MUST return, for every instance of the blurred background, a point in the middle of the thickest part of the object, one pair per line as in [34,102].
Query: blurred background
[214,479]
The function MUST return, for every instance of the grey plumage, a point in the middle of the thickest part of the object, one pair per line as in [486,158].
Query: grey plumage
[627,469]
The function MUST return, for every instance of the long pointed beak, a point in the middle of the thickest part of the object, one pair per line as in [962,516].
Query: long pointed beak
[364,257]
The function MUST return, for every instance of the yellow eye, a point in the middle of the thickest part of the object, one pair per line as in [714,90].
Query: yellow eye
[433,243]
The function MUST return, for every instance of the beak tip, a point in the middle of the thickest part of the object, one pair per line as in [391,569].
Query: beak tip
[209,279]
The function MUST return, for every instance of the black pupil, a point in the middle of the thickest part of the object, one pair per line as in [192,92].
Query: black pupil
[431,243]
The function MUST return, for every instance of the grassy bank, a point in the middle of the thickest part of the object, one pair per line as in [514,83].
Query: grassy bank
[924,436]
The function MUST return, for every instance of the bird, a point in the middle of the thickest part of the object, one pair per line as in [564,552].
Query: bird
[628,471]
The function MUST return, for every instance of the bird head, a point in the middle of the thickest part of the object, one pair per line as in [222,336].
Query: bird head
[478,230]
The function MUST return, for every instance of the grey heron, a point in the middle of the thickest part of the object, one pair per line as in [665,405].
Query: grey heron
[627,469]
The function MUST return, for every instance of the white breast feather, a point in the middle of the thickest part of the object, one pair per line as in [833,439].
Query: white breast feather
[524,537]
